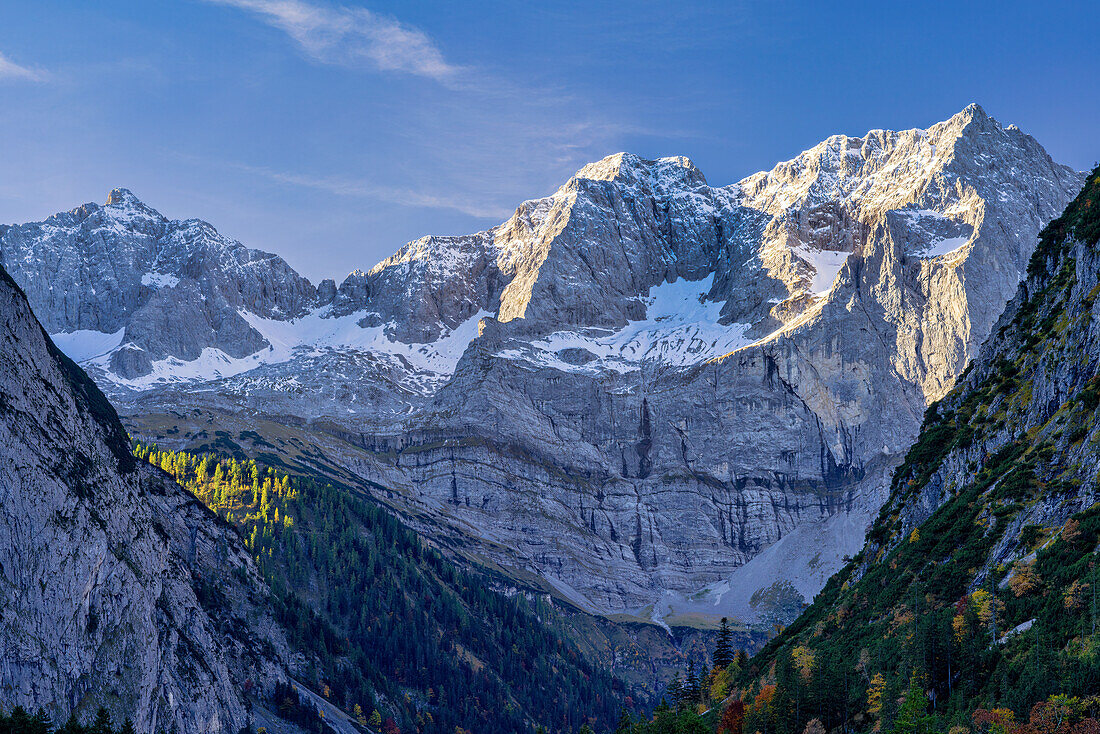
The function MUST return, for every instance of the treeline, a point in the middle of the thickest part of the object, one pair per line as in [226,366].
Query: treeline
[19,721]
[408,636]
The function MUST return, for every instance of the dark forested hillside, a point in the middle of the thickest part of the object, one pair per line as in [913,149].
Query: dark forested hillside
[401,630]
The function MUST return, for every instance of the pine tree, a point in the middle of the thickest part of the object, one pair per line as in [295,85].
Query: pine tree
[913,717]
[691,685]
[20,719]
[723,650]
[41,723]
[72,726]
[676,690]
[102,723]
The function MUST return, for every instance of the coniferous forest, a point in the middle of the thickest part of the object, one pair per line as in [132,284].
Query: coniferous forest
[397,632]
[19,721]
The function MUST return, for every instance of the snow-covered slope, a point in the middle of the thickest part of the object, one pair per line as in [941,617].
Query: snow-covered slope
[680,327]
[633,386]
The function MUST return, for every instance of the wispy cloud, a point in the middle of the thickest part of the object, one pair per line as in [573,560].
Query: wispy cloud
[353,37]
[11,71]
[478,144]
[363,189]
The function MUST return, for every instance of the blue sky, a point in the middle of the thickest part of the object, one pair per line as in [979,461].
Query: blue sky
[332,133]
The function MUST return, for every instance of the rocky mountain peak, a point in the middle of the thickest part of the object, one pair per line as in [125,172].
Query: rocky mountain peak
[661,175]
[123,278]
[122,197]
[973,114]
[127,209]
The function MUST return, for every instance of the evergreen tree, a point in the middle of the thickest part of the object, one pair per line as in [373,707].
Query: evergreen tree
[41,723]
[102,722]
[675,691]
[913,717]
[20,719]
[626,723]
[72,726]
[723,650]
[691,685]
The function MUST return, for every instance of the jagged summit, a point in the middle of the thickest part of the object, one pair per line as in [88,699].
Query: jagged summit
[131,284]
[675,171]
[122,197]
[973,113]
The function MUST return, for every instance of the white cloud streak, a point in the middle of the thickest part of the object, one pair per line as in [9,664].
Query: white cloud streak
[11,71]
[352,37]
[361,189]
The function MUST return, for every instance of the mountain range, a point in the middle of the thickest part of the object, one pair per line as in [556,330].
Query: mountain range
[646,395]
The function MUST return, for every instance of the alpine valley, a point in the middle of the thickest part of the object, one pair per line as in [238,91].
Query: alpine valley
[638,406]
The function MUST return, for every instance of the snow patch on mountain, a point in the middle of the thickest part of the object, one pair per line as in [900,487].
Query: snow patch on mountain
[946,246]
[159,280]
[316,332]
[681,328]
[309,336]
[826,265]
[86,344]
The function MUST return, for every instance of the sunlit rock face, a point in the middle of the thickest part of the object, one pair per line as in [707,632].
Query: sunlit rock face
[120,589]
[658,395]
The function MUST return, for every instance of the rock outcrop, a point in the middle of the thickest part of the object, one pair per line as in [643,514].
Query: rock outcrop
[118,588]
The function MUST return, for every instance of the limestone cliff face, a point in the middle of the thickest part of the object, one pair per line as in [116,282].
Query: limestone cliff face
[119,589]
[657,394]
[1027,403]
[890,254]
